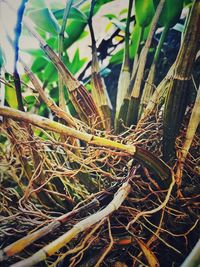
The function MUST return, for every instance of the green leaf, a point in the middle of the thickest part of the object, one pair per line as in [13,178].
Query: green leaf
[34,52]
[187,3]
[120,25]
[76,27]
[76,64]
[39,64]
[30,101]
[38,4]
[123,11]
[135,38]
[83,35]
[10,96]
[74,13]
[50,73]
[179,27]
[110,16]
[71,108]
[170,13]
[43,110]
[117,57]
[88,86]
[54,94]
[45,20]
[74,31]
[53,42]
[144,11]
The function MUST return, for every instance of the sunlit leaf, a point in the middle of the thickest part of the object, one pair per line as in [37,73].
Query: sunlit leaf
[135,38]
[76,27]
[110,16]
[45,20]
[10,97]
[88,87]
[144,11]
[123,11]
[83,35]
[74,13]
[120,25]
[38,4]
[179,27]
[108,26]
[35,52]
[74,31]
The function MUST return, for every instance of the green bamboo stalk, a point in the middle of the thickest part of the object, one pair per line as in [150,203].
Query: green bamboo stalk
[124,77]
[138,49]
[135,94]
[176,100]
[62,103]
[149,84]
[190,133]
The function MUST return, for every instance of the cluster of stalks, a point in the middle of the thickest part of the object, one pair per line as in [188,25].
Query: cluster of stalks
[79,193]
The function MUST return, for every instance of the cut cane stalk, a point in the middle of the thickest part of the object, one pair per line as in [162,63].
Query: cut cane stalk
[167,20]
[159,93]
[98,86]
[60,113]
[143,156]
[80,97]
[22,243]
[48,101]
[149,85]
